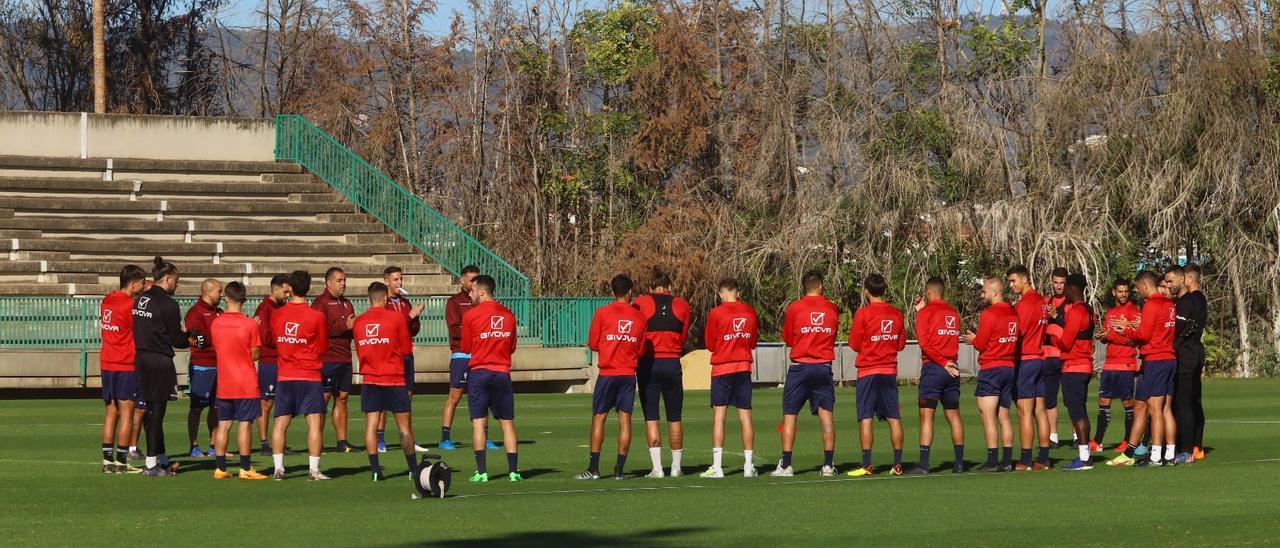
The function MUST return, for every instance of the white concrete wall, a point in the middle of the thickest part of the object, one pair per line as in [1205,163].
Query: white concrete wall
[77,135]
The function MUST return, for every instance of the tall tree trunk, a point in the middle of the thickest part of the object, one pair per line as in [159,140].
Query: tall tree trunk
[1243,362]
[99,57]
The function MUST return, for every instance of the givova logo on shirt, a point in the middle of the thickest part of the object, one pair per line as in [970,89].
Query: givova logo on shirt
[372,335]
[106,322]
[623,332]
[141,310]
[497,329]
[291,334]
[738,325]
[1012,337]
[952,328]
[886,332]
[816,321]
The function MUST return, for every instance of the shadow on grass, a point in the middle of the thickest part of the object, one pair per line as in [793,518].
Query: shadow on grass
[576,538]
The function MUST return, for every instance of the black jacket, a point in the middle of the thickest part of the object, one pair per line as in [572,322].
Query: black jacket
[1193,314]
[157,323]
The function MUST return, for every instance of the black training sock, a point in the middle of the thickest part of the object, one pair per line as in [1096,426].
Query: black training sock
[866,458]
[108,452]
[897,457]
[622,461]
[342,445]
[220,462]
[786,459]
[959,455]
[1128,422]
[593,463]
[411,460]
[924,456]
[1104,419]
[122,455]
[1006,454]
[828,458]
[1043,456]
[513,462]
[1025,457]
[1128,451]
[246,463]
[992,455]
[374,465]
[445,432]
[480,462]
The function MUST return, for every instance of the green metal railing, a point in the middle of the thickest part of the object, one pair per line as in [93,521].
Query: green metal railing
[71,323]
[298,140]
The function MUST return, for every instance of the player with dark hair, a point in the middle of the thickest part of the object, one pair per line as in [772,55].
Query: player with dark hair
[339,316]
[202,373]
[398,301]
[1119,367]
[1076,343]
[382,340]
[301,339]
[119,382]
[157,330]
[938,333]
[1051,377]
[809,329]
[267,357]
[658,375]
[454,308]
[1155,332]
[617,335]
[1029,371]
[877,335]
[996,342]
[731,334]
[238,342]
[489,337]
[1193,311]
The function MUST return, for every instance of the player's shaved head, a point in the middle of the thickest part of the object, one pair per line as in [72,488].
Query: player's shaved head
[812,282]
[934,287]
[993,290]
[235,292]
[377,293]
[211,291]
[1146,282]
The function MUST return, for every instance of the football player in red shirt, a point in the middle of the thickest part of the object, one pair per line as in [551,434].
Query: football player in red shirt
[659,376]
[996,342]
[938,333]
[809,329]
[301,339]
[1076,343]
[398,301]
[877,335]
[1154,331]
[382,340]
[1050,380]
[268,358]
[1029,371]
[238,343]
[119,382]
[1119,368]
[731,335]
[617,335]
[489,337]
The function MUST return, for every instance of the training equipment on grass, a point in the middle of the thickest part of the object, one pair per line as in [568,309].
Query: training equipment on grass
[432,478]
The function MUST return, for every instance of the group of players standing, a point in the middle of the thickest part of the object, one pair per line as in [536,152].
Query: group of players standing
[1027,352]
[291,358]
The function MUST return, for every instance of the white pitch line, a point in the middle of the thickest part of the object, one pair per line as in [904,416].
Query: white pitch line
[1244,421]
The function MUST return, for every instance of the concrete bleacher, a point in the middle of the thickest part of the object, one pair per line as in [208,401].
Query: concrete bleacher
[69,225]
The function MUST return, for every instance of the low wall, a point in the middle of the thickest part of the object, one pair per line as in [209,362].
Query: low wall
[82,135]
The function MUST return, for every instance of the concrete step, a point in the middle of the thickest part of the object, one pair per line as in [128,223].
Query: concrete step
[196,208]
[146,165]
[206,248]
[187,287]
[207,269]
[175,225]
[23,185]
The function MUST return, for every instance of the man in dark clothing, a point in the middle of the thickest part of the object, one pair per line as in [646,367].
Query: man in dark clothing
[157,330]
[1192,310]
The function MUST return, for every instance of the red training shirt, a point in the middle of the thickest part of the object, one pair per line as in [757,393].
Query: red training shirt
[664,344]
[489,335]
[116,314]
[199,317]
[617,333]
[1156,332]
[454,308]
[401,304]
[731,334]
[876,334]
[336,310]
[301,339]
[1031,325]
[1122,355]
[1076,340]
[809,328]
[382,341]
[938,333]
[997,337]
[234,337]
[263,316]
[1049,349]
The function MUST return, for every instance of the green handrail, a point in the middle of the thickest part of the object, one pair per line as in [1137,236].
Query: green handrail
[300,141]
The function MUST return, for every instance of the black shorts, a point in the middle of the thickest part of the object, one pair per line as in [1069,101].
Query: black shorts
[732,389]
[156,376]
[267,380]
[1117,385]
[1028,374]
[490,391]
[808,382]
[202,385]
[458,368]
[661,378]
[336,377]
[614,393]
[119,386]
[243,410]
[1156,379]
[1050,380]
[295,398]
[410,373]
[877,397]
[1075,394]
[997,381]
[376,399]
[937,385]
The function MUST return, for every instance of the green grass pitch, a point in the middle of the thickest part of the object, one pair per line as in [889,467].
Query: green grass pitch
[52,491]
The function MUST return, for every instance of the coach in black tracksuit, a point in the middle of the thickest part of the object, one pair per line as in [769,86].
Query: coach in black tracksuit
[1193,311]
[157,330]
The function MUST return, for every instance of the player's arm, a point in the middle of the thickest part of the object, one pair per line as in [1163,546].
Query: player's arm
[711,332]
[902,333]
[453,319]
[322,338]
[467,333]
[682,312]
[255,342]
[856,332]
[593,333]
[983,337]
[515,331]
[1146,326]
[1071,327]
[405,338]
[754,322]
